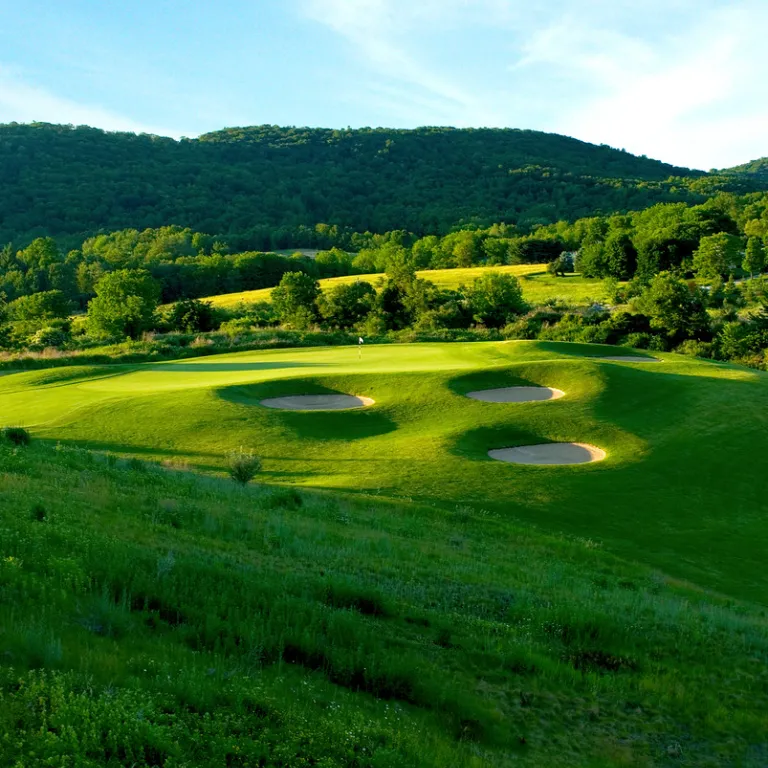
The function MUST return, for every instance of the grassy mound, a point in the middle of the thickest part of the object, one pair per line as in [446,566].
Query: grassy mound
[685,440]
[156,618]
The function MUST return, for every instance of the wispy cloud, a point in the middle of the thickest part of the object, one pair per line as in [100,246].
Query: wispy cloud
[21,101]
[380,33]
[693,94]
[685,81]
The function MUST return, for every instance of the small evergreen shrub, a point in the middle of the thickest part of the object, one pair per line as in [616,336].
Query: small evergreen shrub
[243,466]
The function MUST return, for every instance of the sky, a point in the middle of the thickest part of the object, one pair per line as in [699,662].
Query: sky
[683,81]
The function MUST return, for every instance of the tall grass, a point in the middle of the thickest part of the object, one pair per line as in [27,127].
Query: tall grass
[157,618]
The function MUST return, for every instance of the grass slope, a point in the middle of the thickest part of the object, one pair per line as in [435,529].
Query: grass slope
[155,618]
[538,286]
[686,439]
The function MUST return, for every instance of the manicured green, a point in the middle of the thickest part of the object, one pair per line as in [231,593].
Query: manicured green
[679,490]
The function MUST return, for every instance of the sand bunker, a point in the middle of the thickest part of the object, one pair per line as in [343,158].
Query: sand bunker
[516,394]
[317,402]
[629,359]
[549,453]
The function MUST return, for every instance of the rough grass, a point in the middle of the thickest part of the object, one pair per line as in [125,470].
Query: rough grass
[156,618]
[538,286]
[679,490]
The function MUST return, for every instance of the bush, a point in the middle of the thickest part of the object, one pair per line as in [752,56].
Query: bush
[243,466]
[49,337]
[192,315]
[17,435]
[696,348]
[638,340]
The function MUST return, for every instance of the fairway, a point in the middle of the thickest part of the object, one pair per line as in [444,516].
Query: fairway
[679,487]
[538,286]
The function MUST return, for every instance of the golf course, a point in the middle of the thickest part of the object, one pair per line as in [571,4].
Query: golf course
[674,445]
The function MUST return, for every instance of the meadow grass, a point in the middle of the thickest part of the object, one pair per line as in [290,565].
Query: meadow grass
[680,488]
[158,618]
[538,286]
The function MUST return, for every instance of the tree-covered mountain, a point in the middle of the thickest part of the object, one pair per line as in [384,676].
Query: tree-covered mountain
[756,169]
[268,187]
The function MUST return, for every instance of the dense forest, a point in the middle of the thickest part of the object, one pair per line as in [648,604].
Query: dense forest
[267,187]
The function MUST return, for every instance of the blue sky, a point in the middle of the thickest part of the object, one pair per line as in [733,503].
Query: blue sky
[685,81]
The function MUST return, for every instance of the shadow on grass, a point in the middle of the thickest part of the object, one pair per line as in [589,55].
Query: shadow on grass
[222,367]
[341,425]
[475,444]
[145,453]
[579,349]
[489,379]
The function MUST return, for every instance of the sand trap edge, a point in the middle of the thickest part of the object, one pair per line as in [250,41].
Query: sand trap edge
[516,394]
[549,454]
[317,402]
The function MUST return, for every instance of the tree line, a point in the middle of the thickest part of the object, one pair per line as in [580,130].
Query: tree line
[265,187]
[725,235]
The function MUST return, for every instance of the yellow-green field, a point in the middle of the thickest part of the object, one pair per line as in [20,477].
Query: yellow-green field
[538,286]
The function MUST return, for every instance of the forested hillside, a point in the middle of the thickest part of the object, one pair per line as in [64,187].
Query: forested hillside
[756,168]
[267,187]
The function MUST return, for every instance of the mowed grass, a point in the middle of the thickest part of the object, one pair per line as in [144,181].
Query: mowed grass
[538,286]
[157,618]
[680,489]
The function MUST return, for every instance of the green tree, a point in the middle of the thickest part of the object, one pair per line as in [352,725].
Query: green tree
[39,309]
[496,250]
[717,255]
[295,299]
[495,299]
[620,256]
[674,308]
[191,315]
[754,257]
[591,260]
[40,253]
[347,304]
[423,251]
[125,304]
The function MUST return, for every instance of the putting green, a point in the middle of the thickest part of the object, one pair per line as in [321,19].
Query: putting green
[679,487]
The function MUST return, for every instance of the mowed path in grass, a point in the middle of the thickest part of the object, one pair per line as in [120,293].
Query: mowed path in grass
[681,487]
[538,286]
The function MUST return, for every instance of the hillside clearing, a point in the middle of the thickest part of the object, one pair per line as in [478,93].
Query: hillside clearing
[538,286]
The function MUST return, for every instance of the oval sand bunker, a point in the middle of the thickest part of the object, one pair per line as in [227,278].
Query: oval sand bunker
[317,402]
[516,394]
[550,453]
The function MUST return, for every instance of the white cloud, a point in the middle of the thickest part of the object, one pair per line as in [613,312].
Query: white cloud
[685,81]
[22,102]
[692,96]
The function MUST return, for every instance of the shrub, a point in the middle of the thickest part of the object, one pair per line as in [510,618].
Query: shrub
[191,315]
[243,466]
[638,340]
[696,348]
[17,435]
[50,337]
